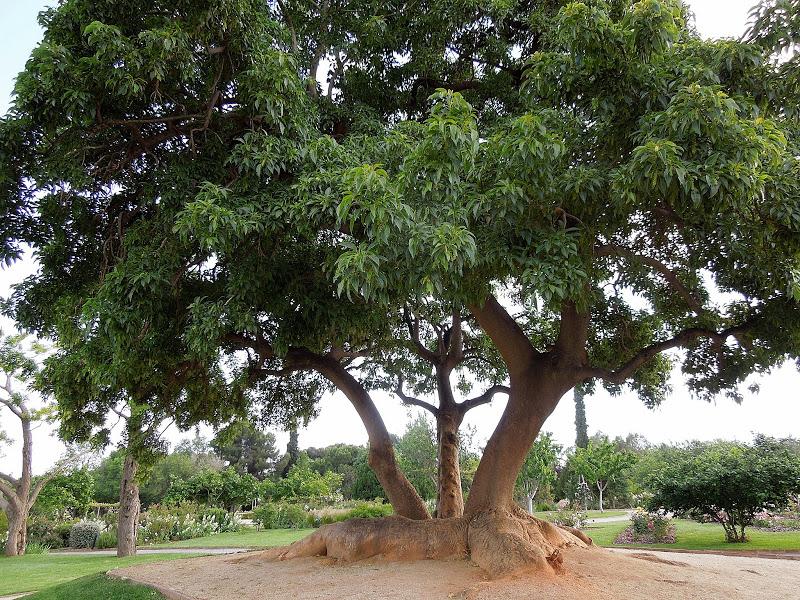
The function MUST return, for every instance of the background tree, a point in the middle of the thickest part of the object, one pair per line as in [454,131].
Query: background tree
[19,371]
[436,348]
[601,463]
[246,449]
[68,493]
[539,468]
[728,482]
[581,427]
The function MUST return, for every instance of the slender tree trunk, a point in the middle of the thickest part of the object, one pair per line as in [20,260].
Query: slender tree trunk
[450,499]
[581,428]
[18,496]
[381,458]
[602,489]
[129,505]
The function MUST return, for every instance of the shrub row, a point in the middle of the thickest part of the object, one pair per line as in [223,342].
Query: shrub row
[282,515]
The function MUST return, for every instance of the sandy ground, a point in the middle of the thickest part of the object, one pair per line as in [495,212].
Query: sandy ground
[593,573]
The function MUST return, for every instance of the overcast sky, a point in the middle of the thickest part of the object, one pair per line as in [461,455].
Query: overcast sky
[774,411]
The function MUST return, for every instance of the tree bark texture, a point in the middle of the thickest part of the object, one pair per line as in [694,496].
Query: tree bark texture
[17,531]
[450,499]
[129,507]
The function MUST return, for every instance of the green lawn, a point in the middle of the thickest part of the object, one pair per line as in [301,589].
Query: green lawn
[593,514]
[248,538]
[41,571]
[97,587]
[690,535]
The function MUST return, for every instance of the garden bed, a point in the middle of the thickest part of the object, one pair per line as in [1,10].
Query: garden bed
[628,536]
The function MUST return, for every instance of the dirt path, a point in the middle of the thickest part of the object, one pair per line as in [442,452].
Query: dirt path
[594,573]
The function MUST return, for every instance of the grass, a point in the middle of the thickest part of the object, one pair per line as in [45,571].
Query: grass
[592,514]
[247,538]
[42,571]
[690,535]
[97,587]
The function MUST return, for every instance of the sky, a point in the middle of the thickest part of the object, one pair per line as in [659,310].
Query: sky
[774,411]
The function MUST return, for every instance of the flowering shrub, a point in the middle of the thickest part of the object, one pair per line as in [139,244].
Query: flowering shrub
[648,528]
[184,522]
[654,524]
[779,521]
[571,518]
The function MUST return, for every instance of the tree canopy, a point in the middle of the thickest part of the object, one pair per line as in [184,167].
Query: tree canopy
[220,231]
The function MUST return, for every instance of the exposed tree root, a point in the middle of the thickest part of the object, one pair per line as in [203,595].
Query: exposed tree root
[501,542]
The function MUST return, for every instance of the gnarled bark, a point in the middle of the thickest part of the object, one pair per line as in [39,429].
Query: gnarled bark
[129,506]
[500,541]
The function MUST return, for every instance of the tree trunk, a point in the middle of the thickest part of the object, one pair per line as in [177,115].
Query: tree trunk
[381,458]
[129,505]
[17,531]
[534,395]
[450,499]
[602,489]
[529,499]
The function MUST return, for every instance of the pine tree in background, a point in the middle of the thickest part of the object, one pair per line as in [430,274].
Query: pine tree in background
[581,428]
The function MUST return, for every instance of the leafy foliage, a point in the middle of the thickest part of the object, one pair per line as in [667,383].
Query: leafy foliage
[246,449]
[729,482]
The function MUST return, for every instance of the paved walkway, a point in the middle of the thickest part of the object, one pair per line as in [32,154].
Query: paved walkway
[619,518]
[152,551]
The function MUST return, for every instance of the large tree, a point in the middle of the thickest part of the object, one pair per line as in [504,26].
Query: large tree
[585,180]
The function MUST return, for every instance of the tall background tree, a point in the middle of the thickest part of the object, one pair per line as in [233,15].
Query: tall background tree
[246,449]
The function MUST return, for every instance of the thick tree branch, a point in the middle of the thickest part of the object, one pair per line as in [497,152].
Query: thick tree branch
[410,400]
[455,342]
[670,276]
[413,329]
[8,478]
[9,492]
[645,354]
[484,398]
[512,343]
[572,335]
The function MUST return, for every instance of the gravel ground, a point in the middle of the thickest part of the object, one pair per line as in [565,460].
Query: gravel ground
[593,573]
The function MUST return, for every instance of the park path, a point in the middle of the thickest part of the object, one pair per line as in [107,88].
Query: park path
[615,519]
[152,551]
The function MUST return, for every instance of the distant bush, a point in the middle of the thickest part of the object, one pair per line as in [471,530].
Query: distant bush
[42,529]
[84,534]
[544,507]
[363,510]
[107,539]
[280,515]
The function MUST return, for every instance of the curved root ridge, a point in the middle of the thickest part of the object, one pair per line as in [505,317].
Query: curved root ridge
[501,542]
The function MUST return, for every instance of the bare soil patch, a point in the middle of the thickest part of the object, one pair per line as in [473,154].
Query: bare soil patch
[592,572]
